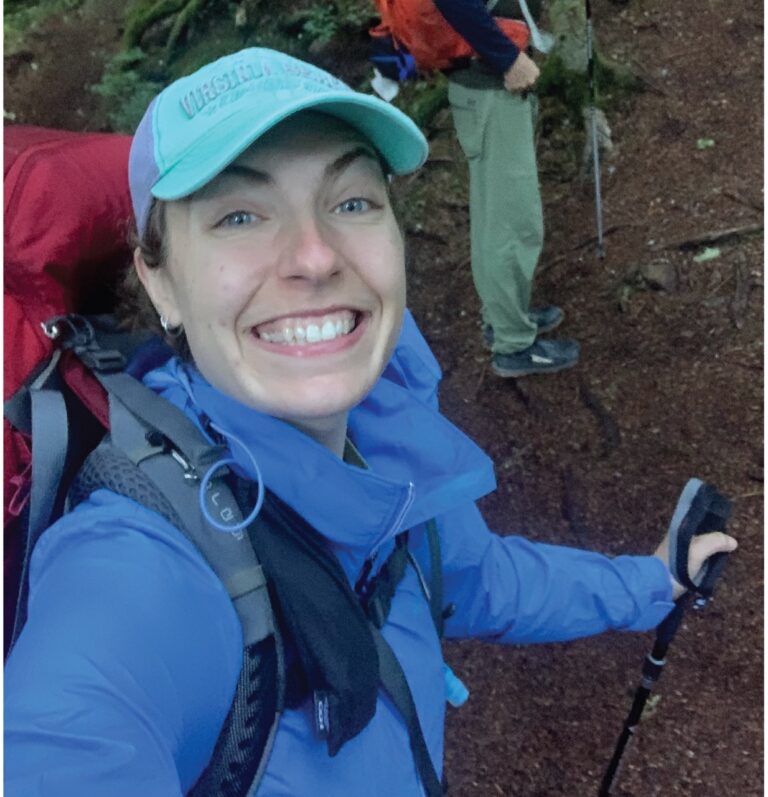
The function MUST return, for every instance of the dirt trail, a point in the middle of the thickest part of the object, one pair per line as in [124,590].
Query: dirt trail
[670,386]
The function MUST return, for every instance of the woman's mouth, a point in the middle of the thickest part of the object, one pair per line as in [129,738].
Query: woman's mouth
[308,330]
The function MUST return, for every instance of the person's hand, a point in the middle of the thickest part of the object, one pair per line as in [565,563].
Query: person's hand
[521,75]
[700,549]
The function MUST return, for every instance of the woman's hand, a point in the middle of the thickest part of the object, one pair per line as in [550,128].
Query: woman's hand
[701,548]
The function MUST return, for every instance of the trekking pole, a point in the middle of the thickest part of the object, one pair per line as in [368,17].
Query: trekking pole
[593,120]
[699,509]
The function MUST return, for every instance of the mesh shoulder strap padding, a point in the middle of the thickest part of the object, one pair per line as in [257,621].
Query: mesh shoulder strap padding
[109,468]
[241,751]
[234,770]
[152,476]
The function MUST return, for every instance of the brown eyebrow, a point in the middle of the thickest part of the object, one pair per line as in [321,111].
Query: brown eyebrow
[331,170]
[239,170]
[347,158]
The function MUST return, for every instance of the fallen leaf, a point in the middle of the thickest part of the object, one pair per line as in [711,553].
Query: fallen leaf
[710,253]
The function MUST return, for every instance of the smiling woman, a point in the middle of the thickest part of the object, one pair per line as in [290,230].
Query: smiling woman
[172,648]
[286,272]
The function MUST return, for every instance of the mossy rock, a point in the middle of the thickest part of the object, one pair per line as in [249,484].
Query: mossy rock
[613,83]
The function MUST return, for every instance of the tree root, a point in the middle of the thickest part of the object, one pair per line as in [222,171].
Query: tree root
[714,236]
[570,509]
[608,426]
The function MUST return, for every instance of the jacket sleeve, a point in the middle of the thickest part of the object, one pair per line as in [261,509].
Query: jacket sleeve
[123,675]
[472,21]
[509,589]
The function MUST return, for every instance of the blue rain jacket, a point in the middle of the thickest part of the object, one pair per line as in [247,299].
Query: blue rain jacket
[124,674]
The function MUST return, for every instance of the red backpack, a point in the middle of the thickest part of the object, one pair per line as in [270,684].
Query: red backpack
[67,212]
[67,215]
[418,27]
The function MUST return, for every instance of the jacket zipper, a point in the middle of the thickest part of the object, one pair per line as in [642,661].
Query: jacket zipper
[365,570]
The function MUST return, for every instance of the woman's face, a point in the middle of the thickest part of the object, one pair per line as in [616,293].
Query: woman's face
[287,272]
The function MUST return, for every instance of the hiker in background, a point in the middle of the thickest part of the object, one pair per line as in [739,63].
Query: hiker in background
[269,258]
[494,106]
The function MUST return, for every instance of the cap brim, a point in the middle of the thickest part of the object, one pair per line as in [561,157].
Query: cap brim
[396,137]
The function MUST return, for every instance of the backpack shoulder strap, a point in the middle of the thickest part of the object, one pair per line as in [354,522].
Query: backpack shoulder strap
[41,411]
[391,674]
[394,682]
[141,463]
[436,577]
[162,471]
[392,572]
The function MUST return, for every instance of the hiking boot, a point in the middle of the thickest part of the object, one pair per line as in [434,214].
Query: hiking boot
[543,357]
[546,319]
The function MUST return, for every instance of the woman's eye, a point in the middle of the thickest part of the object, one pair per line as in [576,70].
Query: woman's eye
[238,218]
[355,205]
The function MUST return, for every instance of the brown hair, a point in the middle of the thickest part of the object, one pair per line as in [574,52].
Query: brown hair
[135,309]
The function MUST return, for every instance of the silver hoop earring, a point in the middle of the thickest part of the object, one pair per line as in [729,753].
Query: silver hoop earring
[169,329]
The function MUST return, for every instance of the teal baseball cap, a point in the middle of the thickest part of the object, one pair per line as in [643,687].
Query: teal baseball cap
[202,122]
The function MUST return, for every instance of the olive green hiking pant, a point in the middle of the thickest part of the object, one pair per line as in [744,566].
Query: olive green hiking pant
[496,132]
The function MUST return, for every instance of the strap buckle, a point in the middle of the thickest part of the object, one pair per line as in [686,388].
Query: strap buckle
[76,333]
[102,360]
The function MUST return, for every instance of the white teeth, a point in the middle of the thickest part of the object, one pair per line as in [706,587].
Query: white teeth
[295,333]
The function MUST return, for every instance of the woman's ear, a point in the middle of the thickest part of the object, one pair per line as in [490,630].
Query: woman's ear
[159,286]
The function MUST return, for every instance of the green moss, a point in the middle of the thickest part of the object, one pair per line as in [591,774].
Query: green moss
[221,37]
[22,17]
[570,89]
[323,22]
[142,15]
[127,89]
[182,21]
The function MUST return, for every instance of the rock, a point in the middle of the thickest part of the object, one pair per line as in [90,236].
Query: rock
[660,275]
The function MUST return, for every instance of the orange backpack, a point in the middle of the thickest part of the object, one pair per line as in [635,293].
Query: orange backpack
[418,27]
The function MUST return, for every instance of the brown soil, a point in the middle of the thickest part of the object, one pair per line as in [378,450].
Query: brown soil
[669,386]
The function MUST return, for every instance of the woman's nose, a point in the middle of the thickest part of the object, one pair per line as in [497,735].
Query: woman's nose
[313,254]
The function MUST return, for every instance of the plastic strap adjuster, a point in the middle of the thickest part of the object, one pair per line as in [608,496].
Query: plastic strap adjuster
[105,361]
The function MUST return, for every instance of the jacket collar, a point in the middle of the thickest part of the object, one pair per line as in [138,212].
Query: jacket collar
[420,465]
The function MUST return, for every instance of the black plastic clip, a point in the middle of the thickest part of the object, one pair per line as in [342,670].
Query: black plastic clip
[105,361]
[76,333]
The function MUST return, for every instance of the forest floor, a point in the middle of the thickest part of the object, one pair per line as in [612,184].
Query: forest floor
[670,385]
